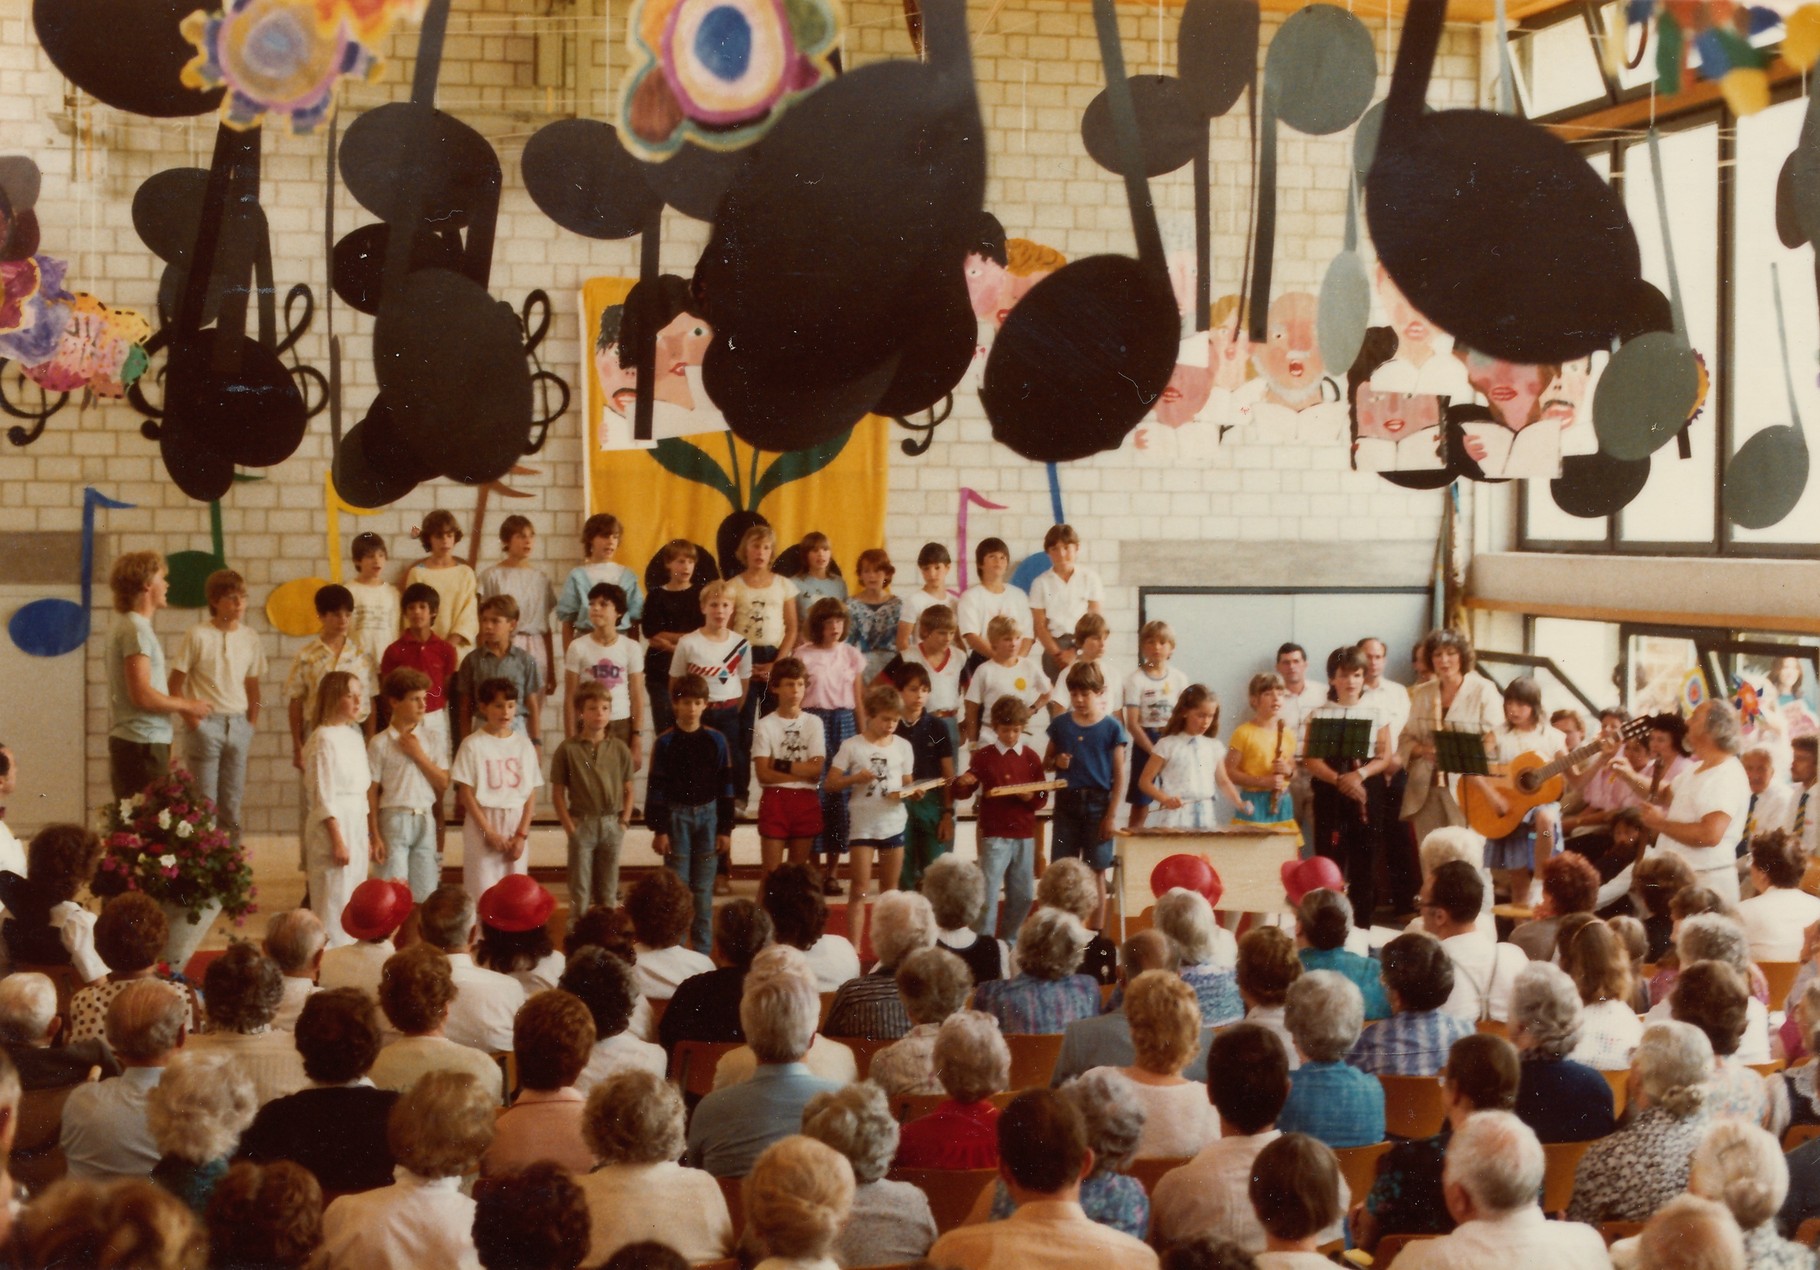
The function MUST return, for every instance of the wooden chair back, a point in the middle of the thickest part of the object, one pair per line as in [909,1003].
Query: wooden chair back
[1412,1106]
[1495,1027]
[1149,1171]
[693,1062]
[1033,1059]
[1145,920]
[725,1263]
[908,1107]
[507,1061]
[863,1047]
[1613,1231]
[1799,1133]
[1359,1166]
[1808,1235]
[951,1192]
[1561,1159]
[1390,1245]
[37,1158]
[1780,975]
[658,1006]
[827,1004]
[736,1204]
[1766,1070]
[1620,1089]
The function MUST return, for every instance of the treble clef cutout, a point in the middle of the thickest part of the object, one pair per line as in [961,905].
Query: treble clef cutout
[19,434]
[535,314]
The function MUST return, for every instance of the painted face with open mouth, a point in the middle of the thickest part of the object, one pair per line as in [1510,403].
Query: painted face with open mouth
[1395,416]
[1514,391]
[1291,359]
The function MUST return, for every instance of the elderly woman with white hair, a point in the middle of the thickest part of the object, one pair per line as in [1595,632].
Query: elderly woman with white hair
[1741,1167]
[1165,1021]
[1711,995]
[902,922]
[973,1063]
[1692,1233]
[1563,1101]
[956,890]
[197,1113]
[1717,937]
[1633,1172]
[932,983]
[890,1221]
[1046,994]
[1068,884]
[634,1125]
[1210,954]
[1454,842]
[1114,1119]
[1329,1098]
[797,1200]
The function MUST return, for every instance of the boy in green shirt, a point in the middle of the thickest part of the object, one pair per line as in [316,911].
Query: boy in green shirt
[591,784]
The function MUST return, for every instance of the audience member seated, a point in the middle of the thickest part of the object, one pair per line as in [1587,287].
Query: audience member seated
[1484,971]
[1691,1233]
[1323,922]
[1406,1196]
[44,924]
[1711,996]
[123,1223]
[438,1131]
[1615,853]
[1494,1170]
[1635,942]
[1069,885]
[1295,1192]
[972,1063]
[1742,1167]
[778,1012]
[1329,1099]
[1570,884]
[130,935]
[1453,842]
[609,988]
[1414,1040]
[1046,994]
[1044,1157]
[197,1113]
[1105,1039]
[533,1218]
[1303,878]
[1780,910]
[1560,1099]
[890,1221]
[1248,1081]
[633,1124]
[28,1029]
[1600,967]
[104,1133]
[1720,938]
[868,1006]
[1268,965]
[792,895]
[1114,1121]
[486,1001]
[1165,1020]
[268,1216]
[1636,1170]
[647,1254]
[1204,1252]
[662,910]
[553,1037]
[1659,879]
[372,915]
[415,993]
[294,940]
[1793,1098]
[1208,951]
[932,983]
[1790,1040]
[242,988]
[705,1007]
[956,890]
[798,1200]
[336,1128]
[514,938]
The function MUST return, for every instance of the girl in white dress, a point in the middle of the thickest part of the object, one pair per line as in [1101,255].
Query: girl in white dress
[1187,767]
[336,778]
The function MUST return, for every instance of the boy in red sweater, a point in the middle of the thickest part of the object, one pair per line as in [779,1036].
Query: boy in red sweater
[1007,825]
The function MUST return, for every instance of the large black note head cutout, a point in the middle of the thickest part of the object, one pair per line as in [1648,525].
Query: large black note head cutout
[374,466]
[939,351]
[1494,228]
[581,177]
[129,54]
[1217,52]
[694,180]
[167,214]
[357,264]
[1595,485]
[1171,127]
[248,412]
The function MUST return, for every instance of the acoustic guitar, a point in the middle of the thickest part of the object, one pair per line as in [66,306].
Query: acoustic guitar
[1528,781]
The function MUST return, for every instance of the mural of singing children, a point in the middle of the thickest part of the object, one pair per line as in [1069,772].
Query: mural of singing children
[1298,403]
[1421,363]
[681,406]
[1516,441]
[1000,272]
[1392,431]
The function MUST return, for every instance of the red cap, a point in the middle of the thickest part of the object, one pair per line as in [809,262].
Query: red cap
[1316,873]
[376,909]
[1190,872]
[516,903]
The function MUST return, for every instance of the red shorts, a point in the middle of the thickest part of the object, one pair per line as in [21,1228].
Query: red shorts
[789,813]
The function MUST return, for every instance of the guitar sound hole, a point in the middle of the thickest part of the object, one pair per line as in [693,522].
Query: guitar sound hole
[1527,782]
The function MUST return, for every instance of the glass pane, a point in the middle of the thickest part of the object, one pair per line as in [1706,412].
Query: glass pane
[1658,664]
[1558,66]
[1785,685]
[1676,504]
[1645,69]
[1586,652]
[1759,395]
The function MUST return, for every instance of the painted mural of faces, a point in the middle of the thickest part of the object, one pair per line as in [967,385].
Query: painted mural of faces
[1188,389]
[1290,358]
[1415,333]
[1561,399]
[1514,391]
[988,288]
[681,344]
[1228,351]
[1395,416]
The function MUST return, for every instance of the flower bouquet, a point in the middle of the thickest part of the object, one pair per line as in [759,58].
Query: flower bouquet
[167,842]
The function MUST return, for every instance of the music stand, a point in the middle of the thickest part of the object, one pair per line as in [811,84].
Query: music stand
[1338,739]
[1460,752]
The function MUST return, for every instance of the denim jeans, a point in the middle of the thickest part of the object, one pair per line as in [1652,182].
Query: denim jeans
[594,863]
[215,751]
[1011,863]
[692,858]
[410,849]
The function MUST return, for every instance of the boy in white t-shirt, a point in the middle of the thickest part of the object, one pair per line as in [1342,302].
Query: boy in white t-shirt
[600,536]
[789,751]
[408,788]
[220,661]
[378,612]
[1148,703]
[602,655]
[496,776]
[724,659]
[875,766]
[992,596]
[1006,675]
[935,651]
[1062,596]
[934,562]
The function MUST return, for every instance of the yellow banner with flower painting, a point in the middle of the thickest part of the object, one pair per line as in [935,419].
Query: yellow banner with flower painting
[692,473]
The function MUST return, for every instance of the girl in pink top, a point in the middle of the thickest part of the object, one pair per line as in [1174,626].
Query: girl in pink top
[836,696]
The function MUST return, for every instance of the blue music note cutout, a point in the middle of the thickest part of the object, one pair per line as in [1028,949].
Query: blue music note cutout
[52,627]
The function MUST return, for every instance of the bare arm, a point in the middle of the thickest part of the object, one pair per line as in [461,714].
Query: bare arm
[140,692]
[252,702]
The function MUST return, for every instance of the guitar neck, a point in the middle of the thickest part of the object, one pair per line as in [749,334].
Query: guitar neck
[1554,767]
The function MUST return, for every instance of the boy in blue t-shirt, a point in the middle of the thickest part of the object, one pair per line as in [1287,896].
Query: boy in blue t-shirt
[1088,746]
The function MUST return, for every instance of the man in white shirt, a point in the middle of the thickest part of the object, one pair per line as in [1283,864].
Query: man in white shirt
[1802,819]
[104,1133]
[1772,799]
[1484,970]
[295,939]
[1388,697]
[1493,1171]
[485,1000]
[1303,698]
[1043,1157]
[1708,803]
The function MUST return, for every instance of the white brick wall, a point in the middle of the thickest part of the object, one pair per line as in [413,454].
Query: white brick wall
[1038,66]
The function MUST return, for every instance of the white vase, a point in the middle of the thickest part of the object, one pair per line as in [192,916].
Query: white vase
[186,936]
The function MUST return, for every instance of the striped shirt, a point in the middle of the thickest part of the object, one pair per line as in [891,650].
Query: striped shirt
[1413,1043]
